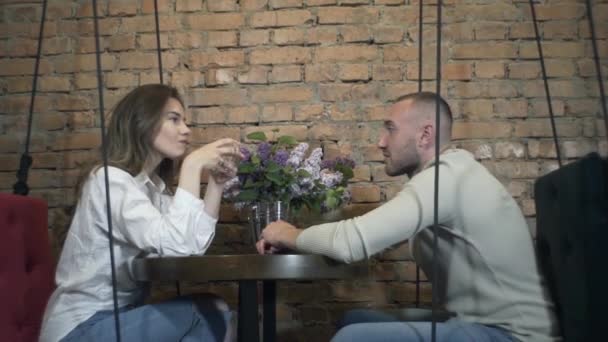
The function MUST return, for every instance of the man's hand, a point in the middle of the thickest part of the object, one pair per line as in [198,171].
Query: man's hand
[276,236]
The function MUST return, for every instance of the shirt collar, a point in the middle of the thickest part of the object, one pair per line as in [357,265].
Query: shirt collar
[154,181]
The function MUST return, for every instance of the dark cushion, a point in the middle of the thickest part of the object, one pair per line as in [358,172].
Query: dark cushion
[26,267]
[572,237]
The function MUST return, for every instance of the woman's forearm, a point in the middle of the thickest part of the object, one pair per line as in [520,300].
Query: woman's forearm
[213,198]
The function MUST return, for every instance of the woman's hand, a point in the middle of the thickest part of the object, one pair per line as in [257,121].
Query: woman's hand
[220,155]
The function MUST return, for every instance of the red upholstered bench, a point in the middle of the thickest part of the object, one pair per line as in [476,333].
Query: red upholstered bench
[26,267]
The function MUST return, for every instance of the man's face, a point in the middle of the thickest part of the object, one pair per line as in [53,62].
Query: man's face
[398,141]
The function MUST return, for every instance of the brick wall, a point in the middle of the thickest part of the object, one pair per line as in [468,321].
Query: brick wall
[321,70]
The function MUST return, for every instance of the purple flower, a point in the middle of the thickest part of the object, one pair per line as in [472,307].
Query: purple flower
[330,179]
[246,153]
[264,151]
[297,155]
[281,157]
[328,164]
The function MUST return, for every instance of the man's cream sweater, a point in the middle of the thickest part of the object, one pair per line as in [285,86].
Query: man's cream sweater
[488,272]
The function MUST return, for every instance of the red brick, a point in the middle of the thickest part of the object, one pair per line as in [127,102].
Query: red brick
[552,49]
[491,31]
[289,36]
[147,6]
[349,53]
[340,113]
[399,15]
[560,30]
[478,130]
[309,112]
[54,84]
[514,169]
[387,72]
[512,108]
[365,193]
[353,72]
[208,115]
[400,53]
[122,8]
[218,21]
[222,58]
[121,42]
[524,70]
[77,141]
[489,12]
[542,128]
[348,15]
[506,149]
[253,5]
[147,24]
[490,50]
[279,112]
[322,35]
[274,132]
[285,3]
[186,78]
[243,114]
[220,76]
[281,18]
[335,92]
[523,30]
[188,5]
[320,72]
[355,34]
[254,37]
[209,97]
[282,55]
[384,35]
[84,119]
[221,5]
[80,63]
[281,94]
[73,102]
[23,66]
[287,73]
[559,11]
[222,39]
[393,91]
[335,132]
[85,9]
[209,134]
[255,75]
[121,80]
[490,69]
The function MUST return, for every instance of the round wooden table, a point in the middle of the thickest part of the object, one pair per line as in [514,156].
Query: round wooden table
[248,269]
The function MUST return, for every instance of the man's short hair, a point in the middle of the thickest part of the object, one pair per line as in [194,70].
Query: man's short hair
[428,99]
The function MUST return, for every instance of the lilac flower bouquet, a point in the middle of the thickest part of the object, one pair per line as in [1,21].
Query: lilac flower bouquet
[281,171]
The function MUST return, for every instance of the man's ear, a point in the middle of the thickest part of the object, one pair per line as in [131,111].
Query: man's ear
[427,134]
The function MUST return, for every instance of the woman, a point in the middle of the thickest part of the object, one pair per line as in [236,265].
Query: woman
[146,135]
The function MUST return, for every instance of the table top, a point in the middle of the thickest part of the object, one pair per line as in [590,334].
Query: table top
[245,267]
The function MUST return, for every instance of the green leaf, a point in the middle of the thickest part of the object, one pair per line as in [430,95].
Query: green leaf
[259,136]
[246,168]
[272,167]
[255,159]
[287,140]
[247,195]
[347,172]
[274,178]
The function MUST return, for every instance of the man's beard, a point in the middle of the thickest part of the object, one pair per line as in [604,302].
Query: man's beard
[407,165]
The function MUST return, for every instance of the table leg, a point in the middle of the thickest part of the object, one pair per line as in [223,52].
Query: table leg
[270,312]
[248,325]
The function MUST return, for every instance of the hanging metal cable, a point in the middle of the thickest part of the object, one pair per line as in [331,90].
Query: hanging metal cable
[598,68]
[160,60]
[21,187]
[104,150]
[546,83]
[419,90]
[437,151]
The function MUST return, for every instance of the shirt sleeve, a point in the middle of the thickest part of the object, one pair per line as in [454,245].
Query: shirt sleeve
[184,228]
[397,220]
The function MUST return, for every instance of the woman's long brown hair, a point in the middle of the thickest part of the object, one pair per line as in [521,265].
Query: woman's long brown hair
[134,122]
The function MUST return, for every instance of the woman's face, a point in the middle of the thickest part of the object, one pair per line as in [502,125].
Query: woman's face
[173,137]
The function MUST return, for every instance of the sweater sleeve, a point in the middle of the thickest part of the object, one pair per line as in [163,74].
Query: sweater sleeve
[395,221]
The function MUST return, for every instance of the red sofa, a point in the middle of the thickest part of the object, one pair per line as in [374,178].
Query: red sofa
[26,267]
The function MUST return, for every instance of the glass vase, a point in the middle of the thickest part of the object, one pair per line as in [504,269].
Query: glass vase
[263,213]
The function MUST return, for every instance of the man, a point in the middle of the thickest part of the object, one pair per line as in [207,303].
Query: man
[488,276]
